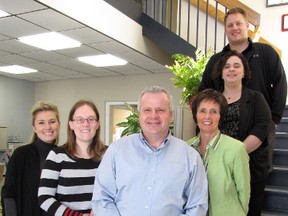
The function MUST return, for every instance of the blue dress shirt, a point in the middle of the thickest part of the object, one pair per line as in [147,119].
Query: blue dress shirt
[135,179]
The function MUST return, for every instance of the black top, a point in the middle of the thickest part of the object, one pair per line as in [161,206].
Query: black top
[23,176]
[268,76]
[255,119]
[230,125]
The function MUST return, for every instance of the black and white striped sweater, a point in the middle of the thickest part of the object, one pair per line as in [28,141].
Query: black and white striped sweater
[66,184]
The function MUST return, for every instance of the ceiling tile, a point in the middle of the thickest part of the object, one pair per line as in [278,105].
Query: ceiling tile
[3,53]
[20,6]
[83,50]
[16,60]
[14,46]
[52,20]
[86,35]
[15,27]
[129,69]
[149,65]
[44,67]
[3,37]
[135,56]
[43,76]
[84,68]
[112,47]
[45,56]
[30,17]
[99,72]
[69,74]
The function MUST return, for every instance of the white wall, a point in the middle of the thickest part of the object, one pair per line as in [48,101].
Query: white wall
[124,89]
[16,100]
[270,26]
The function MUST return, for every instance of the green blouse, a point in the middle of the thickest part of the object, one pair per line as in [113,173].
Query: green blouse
[227,166]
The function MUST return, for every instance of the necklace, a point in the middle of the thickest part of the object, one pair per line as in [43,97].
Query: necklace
[233,96]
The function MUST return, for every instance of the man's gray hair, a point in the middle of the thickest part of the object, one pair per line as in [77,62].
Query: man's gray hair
[155,90]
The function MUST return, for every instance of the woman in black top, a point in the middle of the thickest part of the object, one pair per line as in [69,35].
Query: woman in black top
[248,119]
[19,192]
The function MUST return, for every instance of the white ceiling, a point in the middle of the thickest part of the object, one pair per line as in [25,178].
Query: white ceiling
[29,17]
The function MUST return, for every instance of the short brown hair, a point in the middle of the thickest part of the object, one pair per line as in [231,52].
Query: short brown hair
[235,11]
[218,68]
[211,95]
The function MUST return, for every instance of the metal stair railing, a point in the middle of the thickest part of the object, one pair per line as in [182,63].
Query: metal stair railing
[200,22]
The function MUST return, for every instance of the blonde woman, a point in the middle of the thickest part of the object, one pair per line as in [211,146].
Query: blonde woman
[19,193]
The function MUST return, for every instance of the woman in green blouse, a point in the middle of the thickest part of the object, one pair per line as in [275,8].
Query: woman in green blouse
[225,158]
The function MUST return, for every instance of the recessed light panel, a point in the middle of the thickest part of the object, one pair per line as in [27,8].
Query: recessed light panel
[105,60]
[3,14]
[50,41]
[16,69]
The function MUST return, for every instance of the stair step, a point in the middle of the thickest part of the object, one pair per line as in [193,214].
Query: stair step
[273,213]
[281,140]
[276,192]
[285,113]
[283,126]
[276,199]
[278,177]
[280,157]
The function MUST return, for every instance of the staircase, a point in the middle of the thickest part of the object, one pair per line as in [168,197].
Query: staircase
[276,192]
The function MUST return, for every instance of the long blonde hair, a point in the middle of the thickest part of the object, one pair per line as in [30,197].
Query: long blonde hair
[39,107]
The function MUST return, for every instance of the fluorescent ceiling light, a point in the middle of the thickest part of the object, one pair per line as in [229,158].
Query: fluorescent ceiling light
[3,13]
[105,60]
[16,69]
[50,41]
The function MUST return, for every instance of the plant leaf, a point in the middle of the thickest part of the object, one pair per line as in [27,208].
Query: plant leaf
[188,72]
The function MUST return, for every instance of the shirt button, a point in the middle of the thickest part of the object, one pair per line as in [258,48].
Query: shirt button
[147,207]
[149,188]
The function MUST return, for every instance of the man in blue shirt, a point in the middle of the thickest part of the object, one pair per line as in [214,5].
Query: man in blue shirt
[151,173]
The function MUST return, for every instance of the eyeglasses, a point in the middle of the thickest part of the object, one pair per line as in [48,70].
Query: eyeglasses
[81,120]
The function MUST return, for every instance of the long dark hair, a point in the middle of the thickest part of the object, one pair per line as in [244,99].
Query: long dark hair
[218,68]
[96,148]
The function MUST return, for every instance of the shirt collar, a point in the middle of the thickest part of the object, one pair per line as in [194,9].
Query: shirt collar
[164,143]
[213,144]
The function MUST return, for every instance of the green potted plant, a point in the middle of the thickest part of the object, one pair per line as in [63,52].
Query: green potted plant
[188,73]
[132,124]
